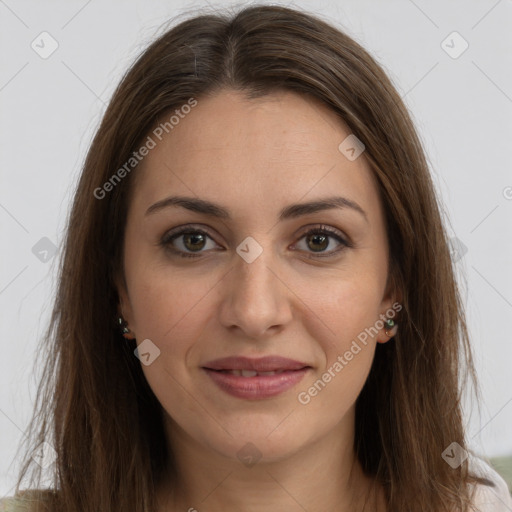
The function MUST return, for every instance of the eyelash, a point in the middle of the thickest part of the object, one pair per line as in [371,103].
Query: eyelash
[187,230]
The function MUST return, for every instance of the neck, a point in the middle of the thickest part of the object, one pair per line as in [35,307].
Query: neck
[324,475]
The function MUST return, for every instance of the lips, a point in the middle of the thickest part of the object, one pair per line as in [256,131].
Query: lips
[255,379]
[260,365]
[249,373]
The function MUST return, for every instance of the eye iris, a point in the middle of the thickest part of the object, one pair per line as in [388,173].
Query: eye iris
[194,237]
[323,239]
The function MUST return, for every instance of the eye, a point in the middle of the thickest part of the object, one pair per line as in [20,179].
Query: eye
[192,239]
[189,241]
[318,239]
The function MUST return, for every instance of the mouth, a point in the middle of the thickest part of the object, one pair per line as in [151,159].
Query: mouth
[255,385]
[252,373]
[261,365]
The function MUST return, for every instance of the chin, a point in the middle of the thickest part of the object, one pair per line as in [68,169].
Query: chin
[266,444]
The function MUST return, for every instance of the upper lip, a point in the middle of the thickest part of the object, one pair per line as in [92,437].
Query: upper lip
[262,364]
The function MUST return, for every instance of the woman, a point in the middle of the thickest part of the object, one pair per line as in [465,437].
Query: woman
[257,308]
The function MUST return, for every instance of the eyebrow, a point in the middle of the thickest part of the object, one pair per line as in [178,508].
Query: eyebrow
[289,212]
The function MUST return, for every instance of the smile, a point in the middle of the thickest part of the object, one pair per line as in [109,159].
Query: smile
[253,385]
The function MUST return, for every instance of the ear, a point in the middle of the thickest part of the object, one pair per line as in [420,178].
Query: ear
[391,306]
[124,307]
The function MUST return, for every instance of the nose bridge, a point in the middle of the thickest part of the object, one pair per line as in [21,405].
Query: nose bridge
[255,298]
[255,276]
[255,282]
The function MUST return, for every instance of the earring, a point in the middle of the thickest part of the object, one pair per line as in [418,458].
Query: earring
[390,324]
[125,330]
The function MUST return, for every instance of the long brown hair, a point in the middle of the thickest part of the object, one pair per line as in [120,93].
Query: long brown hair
[94,405]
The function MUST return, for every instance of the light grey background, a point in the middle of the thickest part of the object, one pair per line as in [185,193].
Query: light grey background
[50,108]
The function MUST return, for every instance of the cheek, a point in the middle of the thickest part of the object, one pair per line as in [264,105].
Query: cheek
[346,340]
[164,304]
[346,306]
[174,318]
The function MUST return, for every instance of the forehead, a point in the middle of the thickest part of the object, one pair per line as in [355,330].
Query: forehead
[268,150]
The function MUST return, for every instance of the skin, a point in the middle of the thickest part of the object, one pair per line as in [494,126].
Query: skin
[255,158]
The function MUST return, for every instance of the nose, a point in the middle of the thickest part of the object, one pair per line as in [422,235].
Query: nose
[255,298]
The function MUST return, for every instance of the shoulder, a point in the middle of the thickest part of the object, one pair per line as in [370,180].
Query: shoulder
[488,498]
[13,505]
[24,500]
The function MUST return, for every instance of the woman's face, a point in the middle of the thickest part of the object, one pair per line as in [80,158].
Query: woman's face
[255,284]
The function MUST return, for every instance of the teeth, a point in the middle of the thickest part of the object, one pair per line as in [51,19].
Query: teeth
[250,373]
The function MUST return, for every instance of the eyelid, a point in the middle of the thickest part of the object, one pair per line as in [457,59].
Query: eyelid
[323,227]
[186,227]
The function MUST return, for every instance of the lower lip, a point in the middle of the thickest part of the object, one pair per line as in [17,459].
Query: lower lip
[256,388]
